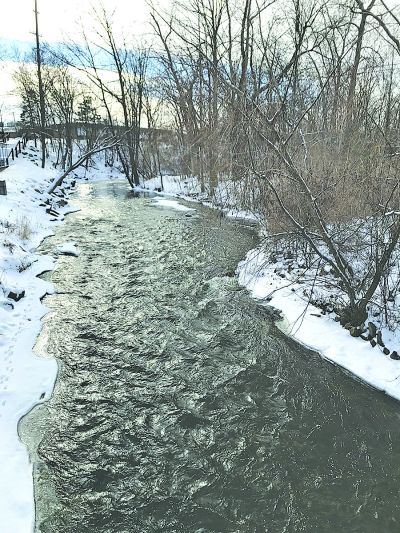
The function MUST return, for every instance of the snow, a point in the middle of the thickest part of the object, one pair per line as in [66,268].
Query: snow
[226,196]
[308,325]
[240,214]
[163,202]
[26,379]
[174,185]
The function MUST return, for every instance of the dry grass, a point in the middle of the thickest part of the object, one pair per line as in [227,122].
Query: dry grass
[23,229]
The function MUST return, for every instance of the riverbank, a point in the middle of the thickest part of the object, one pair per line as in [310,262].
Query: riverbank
[281,283]
[318,329]
[27,216]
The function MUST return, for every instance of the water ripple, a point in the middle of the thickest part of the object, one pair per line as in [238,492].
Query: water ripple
[180,407]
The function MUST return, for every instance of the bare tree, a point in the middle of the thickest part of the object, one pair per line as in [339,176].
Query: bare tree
[41,90]
[285,87]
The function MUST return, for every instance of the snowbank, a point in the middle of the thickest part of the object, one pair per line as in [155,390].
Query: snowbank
[226,196]
[171,204]
[308,325]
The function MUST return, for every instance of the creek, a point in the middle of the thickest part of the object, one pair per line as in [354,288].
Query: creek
[179,405]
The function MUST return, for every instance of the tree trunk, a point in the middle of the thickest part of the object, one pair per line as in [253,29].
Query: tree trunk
[41,91]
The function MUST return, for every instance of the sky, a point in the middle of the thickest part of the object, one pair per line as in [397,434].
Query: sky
[61,17]
[59,20]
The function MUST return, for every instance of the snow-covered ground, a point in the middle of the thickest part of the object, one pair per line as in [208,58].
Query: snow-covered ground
[226,196]
[306,323]
[25,379]
[27,215]
[171,204]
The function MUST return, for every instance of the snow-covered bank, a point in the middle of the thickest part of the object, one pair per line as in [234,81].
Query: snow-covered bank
[163,202]
[226,196]
[307,324]
[27,215]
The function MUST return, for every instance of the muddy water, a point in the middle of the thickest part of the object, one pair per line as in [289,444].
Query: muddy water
[180,407]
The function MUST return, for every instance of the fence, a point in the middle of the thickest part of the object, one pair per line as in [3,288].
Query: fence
[6,154]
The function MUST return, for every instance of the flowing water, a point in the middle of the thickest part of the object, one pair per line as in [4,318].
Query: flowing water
[179,405]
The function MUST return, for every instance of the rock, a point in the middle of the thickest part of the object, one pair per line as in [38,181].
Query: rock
[355,332]
[16,296]
[379,339]
[69,254]
[373,343]
[270,312]
[386,351]
[73,183]
[62,202]
[68,248]
[372,329]
[395,355]
[52,212]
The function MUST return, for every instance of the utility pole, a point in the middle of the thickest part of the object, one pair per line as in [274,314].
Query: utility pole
[41,93]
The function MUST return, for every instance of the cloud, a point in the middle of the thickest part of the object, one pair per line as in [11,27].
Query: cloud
[62,19]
